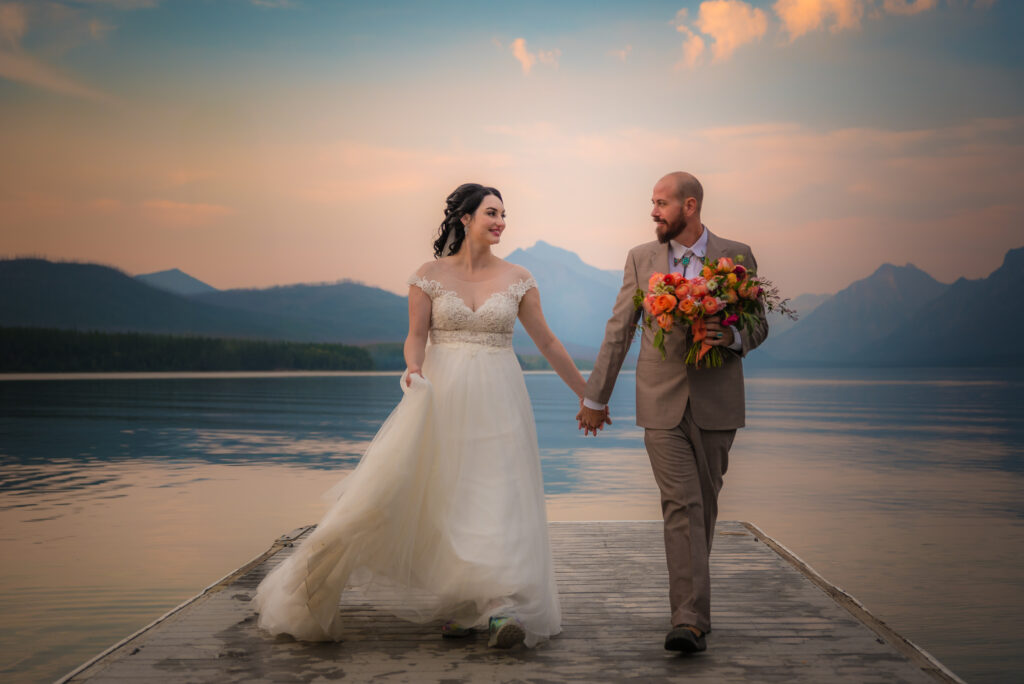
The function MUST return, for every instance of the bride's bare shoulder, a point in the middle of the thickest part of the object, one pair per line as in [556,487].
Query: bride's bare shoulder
[518,272]
[430,269]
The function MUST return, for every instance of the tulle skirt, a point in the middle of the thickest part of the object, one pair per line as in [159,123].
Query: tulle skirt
[443,517]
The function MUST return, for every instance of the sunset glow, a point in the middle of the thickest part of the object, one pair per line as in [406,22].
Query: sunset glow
[280,141]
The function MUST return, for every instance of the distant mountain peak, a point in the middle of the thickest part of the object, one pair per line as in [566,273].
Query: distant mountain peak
[175,280]
[1014,258]
[893,268]
[548,251]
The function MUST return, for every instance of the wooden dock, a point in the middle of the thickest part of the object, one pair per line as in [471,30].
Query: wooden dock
[774,618]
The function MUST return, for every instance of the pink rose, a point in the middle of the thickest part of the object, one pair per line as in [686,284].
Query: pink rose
[726,264]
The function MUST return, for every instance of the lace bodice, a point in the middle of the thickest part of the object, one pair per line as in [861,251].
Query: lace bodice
[491,324]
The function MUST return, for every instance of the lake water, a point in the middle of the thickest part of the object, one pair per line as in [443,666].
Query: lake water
[121,496]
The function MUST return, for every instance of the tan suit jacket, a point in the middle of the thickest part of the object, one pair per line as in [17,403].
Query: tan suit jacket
[663,387]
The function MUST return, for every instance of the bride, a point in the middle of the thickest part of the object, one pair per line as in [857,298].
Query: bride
[443,518]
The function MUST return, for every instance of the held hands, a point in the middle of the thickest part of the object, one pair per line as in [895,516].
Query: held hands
[591,420]
[409,373]
[718,334]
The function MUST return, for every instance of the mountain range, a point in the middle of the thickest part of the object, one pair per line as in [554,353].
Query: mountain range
[898,315]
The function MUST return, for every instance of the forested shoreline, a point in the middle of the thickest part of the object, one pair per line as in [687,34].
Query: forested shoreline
[57,350]
[51,350]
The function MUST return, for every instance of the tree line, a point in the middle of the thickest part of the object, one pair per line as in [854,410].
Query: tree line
[39,350]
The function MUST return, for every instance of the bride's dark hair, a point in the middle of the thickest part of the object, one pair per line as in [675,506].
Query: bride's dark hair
[465,199]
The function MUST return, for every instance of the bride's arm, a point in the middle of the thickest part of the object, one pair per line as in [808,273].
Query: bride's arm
[532,318]
[419,327]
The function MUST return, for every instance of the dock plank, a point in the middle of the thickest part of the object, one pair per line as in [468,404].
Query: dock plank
[775,620]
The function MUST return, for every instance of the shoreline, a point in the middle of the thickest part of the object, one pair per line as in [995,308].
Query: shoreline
[184,375]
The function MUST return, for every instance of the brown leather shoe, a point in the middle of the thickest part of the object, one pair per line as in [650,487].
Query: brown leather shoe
[681,638]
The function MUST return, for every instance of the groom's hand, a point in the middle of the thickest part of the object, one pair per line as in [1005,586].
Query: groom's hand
[718,335]
[591,420]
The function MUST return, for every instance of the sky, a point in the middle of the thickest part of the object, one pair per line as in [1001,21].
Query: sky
[252,143]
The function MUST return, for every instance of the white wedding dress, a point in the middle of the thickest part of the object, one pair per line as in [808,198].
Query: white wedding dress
[444,515]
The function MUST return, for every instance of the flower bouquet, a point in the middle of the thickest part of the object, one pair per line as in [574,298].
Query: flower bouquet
[724,288]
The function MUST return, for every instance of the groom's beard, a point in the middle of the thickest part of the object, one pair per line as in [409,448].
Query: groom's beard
[666,232]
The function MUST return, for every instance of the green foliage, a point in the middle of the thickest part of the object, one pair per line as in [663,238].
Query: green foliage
[39,350]
[387,356]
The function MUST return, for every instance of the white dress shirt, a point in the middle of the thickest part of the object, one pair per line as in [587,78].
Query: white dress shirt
[676,250]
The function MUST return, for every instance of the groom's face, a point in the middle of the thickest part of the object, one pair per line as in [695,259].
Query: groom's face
[668,211]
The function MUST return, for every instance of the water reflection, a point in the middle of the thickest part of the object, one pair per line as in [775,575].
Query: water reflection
[903,488]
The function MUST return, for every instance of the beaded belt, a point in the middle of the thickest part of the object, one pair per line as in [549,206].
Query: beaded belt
[486,339]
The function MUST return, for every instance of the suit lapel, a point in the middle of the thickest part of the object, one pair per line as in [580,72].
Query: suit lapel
[715,249]
[659,260]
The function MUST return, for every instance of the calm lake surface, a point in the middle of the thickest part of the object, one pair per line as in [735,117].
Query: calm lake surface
[120,497]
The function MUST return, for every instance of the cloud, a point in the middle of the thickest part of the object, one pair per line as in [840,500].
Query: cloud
[13,23]
[621,54]
[731,23]
[20,67]
[803,16]
[520,52]
[528,59]
[908,7]
[693,48]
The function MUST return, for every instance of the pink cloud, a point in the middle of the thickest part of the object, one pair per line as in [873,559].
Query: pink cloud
[693,45]
[525,57]
[803,16]
[731,24]
[528,59]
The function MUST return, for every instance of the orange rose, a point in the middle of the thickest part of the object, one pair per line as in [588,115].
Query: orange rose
[655,279]
[662,303]
[726,264]
[682,289]
[710,305]
[730,296]
[649,304]
[666,320]
[707,272]
[698,287]
[687,305]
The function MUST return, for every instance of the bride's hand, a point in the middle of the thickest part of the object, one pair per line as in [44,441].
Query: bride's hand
[408,375]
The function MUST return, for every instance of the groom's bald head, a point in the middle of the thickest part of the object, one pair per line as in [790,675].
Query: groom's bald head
[686,185]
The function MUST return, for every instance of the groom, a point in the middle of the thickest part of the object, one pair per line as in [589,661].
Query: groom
[689,416]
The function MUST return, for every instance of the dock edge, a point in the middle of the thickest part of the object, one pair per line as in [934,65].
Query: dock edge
[917,655]
[281,542]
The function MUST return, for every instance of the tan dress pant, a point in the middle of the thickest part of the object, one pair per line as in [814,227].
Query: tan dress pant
[688,466]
